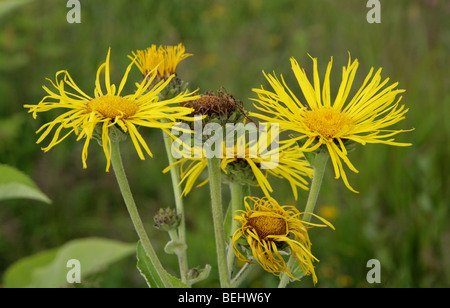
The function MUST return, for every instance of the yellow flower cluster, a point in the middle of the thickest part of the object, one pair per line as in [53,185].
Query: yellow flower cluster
[266,231]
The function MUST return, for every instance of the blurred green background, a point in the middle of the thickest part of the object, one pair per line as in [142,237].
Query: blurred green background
[401,214]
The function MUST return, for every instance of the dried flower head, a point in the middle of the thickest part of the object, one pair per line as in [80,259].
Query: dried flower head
[222,107]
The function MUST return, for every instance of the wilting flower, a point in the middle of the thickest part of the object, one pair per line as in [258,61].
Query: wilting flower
[363,119]
[268,229]
[84,114]
[250,162]
[163,58]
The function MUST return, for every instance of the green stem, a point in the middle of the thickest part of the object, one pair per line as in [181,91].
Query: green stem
[116,161]
[319,166]
[241,275]
[284,279]
[215,185]
[175,175]
[236,201]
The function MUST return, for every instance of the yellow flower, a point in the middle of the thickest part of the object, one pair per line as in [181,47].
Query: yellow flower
[164,58]
[267,227]
[108,108]
[241,162]
[363,119]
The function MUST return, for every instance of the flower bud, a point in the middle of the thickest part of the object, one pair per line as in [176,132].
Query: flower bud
[167,219]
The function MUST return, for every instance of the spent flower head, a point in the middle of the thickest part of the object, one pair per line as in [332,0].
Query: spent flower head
[84,115]
[334,124]
[218,108]
[267,229]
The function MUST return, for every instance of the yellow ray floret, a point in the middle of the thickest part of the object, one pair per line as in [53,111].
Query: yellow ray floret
[285,161]
[85,116]
[319,121]
[164,59]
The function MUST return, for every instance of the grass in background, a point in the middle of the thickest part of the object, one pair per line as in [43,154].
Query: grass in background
[400,216]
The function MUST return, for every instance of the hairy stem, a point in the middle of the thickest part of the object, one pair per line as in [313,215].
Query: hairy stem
[215,185]
[236,201]
[319,164]
[175,175]
[116,161]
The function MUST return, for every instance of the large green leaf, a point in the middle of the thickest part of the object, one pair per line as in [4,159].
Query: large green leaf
[50,268]
[16,184]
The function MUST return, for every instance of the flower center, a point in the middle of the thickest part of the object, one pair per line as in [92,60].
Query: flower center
[268,225]
[112,106]
[326,121]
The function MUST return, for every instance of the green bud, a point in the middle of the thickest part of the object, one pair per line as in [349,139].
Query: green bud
[241,172]
[175,87]
[167,219]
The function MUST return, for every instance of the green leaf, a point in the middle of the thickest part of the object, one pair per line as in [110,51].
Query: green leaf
[16,184]
[50,268]
[196,274]
[176,283]
[174,247]
[148,271]
[146,268]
